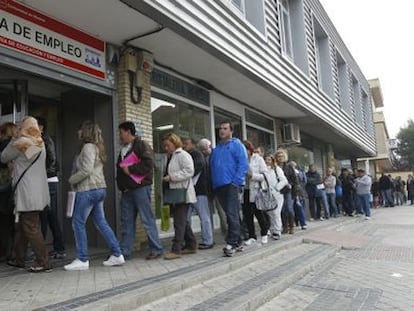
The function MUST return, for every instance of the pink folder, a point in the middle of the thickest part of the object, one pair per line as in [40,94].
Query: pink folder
[129,160]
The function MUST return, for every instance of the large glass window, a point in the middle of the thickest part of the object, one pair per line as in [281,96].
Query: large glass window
[261,138]
[170,115]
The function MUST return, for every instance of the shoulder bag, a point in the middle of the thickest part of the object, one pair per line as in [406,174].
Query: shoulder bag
[11,203]
[265,199]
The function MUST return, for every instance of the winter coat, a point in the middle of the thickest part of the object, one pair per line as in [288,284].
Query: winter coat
[200,170]
[89,170]
[32,192]
[363,185]
[257,167]
[313,179]
[52,167]
[144,168]
[181,170]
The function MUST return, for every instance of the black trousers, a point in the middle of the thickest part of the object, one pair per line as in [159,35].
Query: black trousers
[250,210]
[183,233]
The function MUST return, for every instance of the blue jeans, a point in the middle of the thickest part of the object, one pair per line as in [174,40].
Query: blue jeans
[364,203]
[133,202]
[299,205]
[228,197]
[387,197]
[203,210]
[331,197]
[324,202]
[91,203]
[288,209]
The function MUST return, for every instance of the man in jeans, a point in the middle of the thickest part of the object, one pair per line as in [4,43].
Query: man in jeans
[363,190]
[200,181]
[134,180]
[229,165]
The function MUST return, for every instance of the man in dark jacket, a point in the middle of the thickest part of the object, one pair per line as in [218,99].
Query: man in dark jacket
[316,194]
[386,190]
[347,192]
[49,216]
[200,181]
[134,179]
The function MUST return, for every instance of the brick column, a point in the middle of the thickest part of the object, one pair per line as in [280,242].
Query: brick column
[139,113]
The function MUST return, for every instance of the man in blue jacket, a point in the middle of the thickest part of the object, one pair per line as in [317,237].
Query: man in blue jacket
[229,165]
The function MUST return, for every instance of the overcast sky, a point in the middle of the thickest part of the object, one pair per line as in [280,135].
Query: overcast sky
[379,35]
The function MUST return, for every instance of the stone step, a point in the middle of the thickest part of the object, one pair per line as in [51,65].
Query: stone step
[250,286]
[260,272]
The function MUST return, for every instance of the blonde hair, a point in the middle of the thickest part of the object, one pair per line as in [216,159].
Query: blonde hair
[174,139]
[7,129]
[282,152]
[92,133]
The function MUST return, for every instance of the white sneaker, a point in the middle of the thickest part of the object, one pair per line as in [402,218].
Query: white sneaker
[249,241]
[114,261]
[264,239]
[367,218]
[77,265]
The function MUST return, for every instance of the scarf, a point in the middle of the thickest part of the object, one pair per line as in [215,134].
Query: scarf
[29,139]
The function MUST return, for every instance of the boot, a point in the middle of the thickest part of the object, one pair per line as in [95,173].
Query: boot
[291,229]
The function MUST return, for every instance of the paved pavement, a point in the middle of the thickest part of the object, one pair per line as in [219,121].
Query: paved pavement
[377,276]
[368,266]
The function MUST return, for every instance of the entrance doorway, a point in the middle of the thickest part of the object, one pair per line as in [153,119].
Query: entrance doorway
[64,107]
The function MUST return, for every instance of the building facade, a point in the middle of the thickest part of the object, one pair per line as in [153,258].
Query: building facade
[277,69]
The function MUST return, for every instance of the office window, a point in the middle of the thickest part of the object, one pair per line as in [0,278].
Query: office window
[286,32]
[252,11]
[323,56]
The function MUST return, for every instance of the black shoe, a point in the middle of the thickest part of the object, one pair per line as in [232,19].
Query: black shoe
[13,263]
[36,269]
[205,246]
[275,236]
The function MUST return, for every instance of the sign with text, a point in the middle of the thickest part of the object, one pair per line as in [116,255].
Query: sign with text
[28,31]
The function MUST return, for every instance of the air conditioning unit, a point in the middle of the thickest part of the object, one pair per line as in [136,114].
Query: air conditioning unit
[291,133]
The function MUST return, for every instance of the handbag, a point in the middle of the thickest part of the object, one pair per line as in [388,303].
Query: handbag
[265,199]
[11,202]
[175,196]
[286,189]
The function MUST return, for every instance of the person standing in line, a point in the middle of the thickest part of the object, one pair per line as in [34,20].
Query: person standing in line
[330,184]
[347,192]
[298,192]
[317,193]
[50,217]
[276,184]
[88,182]
[288,210]
[8,130]
[399,191]
[134,179]
[200,181]
[229,165]
[204,145]
[257,167]
[28,153]
[410,188]
[363,190]
[180,170]
[386,190]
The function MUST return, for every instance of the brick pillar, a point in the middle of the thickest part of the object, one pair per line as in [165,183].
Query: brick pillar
[139,113]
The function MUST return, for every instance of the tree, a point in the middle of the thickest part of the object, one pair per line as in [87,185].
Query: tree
[406,144]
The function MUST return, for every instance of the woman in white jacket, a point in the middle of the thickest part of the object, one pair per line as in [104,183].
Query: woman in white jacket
[277,180]
[257,167]
[180,170]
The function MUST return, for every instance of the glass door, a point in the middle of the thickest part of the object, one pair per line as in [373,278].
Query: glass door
[13,100]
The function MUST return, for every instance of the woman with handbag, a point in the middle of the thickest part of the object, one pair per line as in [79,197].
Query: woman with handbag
[179,192]
[277,181]
[89,183]
[30,192]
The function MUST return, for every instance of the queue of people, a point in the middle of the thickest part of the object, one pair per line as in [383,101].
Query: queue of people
[236,178]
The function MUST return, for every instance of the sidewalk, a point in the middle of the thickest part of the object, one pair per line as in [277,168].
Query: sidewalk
[63,290]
